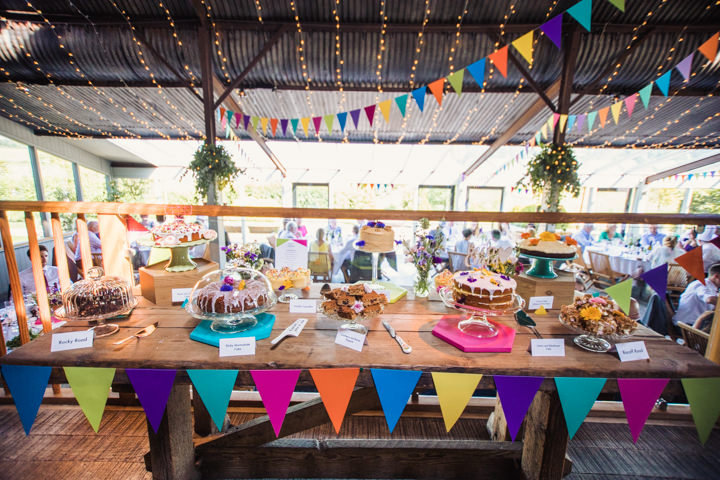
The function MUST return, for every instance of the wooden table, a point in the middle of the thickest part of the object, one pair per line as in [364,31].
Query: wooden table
[245,450]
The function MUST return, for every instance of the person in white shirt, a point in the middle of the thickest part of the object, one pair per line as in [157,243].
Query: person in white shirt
[461,246]
[346,255]
[52,278]
[710,253]
[698,298]
[290,232]
[667,253]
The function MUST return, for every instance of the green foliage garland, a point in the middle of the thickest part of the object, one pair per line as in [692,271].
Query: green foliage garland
[553,171]
[213,165]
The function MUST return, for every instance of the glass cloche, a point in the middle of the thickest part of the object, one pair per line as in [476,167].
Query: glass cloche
[96,299]
[230,298]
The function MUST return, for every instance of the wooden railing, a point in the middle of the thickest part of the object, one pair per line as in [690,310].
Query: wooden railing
[115,246]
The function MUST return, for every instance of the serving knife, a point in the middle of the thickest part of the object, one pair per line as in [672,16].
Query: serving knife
[139,334]
[405,347]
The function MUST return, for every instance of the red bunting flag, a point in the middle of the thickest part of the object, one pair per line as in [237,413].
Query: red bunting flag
[370,112]
[436,88]
[499,58]
[273,125]
[133,225]
[692,262]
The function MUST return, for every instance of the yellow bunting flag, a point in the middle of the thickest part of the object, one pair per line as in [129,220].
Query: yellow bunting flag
[603,113]
[91,387]
[544,130]
[541,311]
[454,391]
[263,124]
[563,121]
[456,80]
[524,45]
[305,124]
[615,109]
[385,109]
[436,88]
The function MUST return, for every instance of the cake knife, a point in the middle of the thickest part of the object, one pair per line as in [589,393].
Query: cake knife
[405,347]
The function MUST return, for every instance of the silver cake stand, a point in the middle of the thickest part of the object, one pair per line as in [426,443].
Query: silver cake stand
[375,267]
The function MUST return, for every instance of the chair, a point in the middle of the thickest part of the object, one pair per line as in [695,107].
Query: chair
[582,271]
[602,272]
[360,267]
[694,338]
[320,266]
[677,283]
[457,261]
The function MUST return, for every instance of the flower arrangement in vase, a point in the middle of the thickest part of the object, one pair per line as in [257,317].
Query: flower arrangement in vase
[248,256]
[423,251]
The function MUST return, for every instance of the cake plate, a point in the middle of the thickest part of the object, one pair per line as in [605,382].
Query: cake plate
[231,322]
[477,324]
[591,341]
[351,324]
[101,329]
[543,266]
[180,260]
[375,267]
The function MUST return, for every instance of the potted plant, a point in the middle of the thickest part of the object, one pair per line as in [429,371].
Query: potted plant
[213,169]
[554,172]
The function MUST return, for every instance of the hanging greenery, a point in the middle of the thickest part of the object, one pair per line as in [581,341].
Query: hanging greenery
[553,171]
[213,165]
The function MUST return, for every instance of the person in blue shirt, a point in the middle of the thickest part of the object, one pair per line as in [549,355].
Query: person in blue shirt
[584,236]
[652,237]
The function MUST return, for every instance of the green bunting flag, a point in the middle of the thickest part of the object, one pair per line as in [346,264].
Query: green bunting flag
[577,396]
[645,94]
[401,102]
[591,120]
[582,12]
[456,80]
[329,120]
[620,4]
[703,396]
[214,388]
[620,292]
[91,387]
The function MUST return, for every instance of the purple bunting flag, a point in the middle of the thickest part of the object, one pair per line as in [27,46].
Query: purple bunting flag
[516,394]
[657,279]
[246,121]
[553,29]
[283,125]
[153,388]
[581,122]
[355,115]
[684,66]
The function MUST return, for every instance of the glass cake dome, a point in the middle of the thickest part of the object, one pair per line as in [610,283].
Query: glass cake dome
[230,298]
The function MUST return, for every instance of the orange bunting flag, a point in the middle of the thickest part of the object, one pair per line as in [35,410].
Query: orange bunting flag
[436,88]
[499,58]
[524,45]
[710,48]
[692,262]
[385,109]
[273,125]
[603,113]
[615,109]
[335,386]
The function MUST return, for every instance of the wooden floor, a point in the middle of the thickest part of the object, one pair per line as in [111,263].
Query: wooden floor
[62,445]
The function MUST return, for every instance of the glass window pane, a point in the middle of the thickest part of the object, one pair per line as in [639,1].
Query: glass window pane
[435,198]
[311,196]
[610,200]
[16,183]
[57,178]
[706,200]
[662,200]
[484,199]
[374,196]
[93,185]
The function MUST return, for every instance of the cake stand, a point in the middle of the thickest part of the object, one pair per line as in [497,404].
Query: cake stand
[543,266]
[180,260]
[351,324]
[101,329]
[375,267]
[594,342]
[477,324]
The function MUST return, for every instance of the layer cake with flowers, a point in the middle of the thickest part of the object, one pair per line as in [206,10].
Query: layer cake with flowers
[178,231]
[549,245]
[376,237]
[233,296]
[484,289]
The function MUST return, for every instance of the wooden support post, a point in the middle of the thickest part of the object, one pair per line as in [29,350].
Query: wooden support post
[60,253]
[38,273]
[171,449]
[113,232]
[497,424]
[712,352]
[545,438]
[572,42]
[15,285]
[206,67]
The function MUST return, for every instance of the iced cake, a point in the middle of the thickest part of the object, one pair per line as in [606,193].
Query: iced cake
[233,296]
[287,278]
[484,289]
[376,237]
[550,245]
[178,231]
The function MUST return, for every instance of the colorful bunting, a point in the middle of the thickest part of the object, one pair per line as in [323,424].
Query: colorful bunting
[254,121]
[692,262]
[603,113]
[329,120]
[499,58]
[355,115]
[152,387]
[419,96]
[342,119]
[305,122]
[639,396]
[563,122]
[577,396]
[516,394]
[477,70]
[591,120]
[401,102]
[663,83]
[454,391]
[273,125]
[317,121]
[684,66]
[620,4]
[645,93]
[571,122]
[335,386]
[275,388]
[581,122]
[283,125]
[385,109]
[370,112]
[229,116]
[246,121]
[456,80]
[264,124]
[710,48]
[555,118]
[27,386]
[630,103]
[237,121]
[703,395]
[657,279]
[214,388]
[615,108]
[437,88]
[91,387]
[394,388]
[582,13]
[524,45]
[294,124]
[553,30]
[620,292]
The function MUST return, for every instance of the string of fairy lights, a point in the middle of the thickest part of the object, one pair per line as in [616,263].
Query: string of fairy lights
[216,41]
[300,52]
[178,41]
[339,64]
[51,127]
[378,69]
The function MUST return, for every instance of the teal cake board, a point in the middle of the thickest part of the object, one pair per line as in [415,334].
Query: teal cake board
[204,334]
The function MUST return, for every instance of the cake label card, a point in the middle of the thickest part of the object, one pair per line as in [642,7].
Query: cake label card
[230,347]
[303,305]
[72,340]
[548,347]
[630,351]
[536,302]
[293,330]
[291,253]
[180,294]
[350,339]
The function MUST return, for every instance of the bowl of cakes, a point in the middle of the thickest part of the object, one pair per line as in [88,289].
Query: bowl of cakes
[376,237]
[285,279]
[599,320]
[351,303]
[231,298]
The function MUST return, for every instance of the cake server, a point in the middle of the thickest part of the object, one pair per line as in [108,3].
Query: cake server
[405,347]
[139,334]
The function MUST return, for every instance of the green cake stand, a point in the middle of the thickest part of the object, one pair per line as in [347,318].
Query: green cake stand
[542,267]
[180,260]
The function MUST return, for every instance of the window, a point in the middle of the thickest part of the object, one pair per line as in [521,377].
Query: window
[373,196]
[484,199]
[93,185]
[16,183]
[613,200]
[311,195]
[662,200]
[57,177]
[436,198]
[705,200]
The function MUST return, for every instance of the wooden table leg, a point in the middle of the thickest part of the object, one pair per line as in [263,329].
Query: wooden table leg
[497,424]
[203,422]
[545,439]
[172,454]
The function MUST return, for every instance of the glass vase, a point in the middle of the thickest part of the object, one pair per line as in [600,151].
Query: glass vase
[422,288]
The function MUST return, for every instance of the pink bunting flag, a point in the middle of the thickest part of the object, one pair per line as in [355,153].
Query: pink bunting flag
[237,121]
[556,117]
[630,103]
[275,388]
[316,122]
[639,396]
[370,112]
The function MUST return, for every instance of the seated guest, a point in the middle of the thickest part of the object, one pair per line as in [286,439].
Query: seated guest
[461,246]
[705,321]
[95,245]
[698,298]
[302,229]
[320,263]
[690,240]
[652,237]
[710,253]
[290,232]
[334,232]
[667,253]
[52,279]
[584,236]
[498,240]
[609,234]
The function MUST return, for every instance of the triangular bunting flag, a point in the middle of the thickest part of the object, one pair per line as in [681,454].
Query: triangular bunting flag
[615,108]
[555,118]
[645,93]
[577,396]
[385,109]
[230,114]
[436,88]
[342,119]
[454,391]
[499,58]
[544,130]
[305,122]
[152,387]
[27,386]
[275,388]
[335,386]
[516,394]
[591,120]
[630,103]
[254,121]
[355,115]
[273,125]
[477,70]
[456,80]
[394,388]
[329,120]
[657,279]
[620,4]
[317,121]
[702,395]
[603,113]
[283,125]
[639,396]
[264,124]
[571,122]
[620,292]
[214,388]
[684,67]
[294,124]
[663,83]
[134,226]
[710,48]
[524,45]
[419,96]
[246,121]
[237,121]
[715,241]
[222,113]
[563,122]
[538,140]
[370,113]
[401,102]
[581,122]
[91,387]
[582,12]
[553,29]
[692,262]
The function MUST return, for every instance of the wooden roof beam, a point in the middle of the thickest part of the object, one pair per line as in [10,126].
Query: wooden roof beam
[570,53]
[703,162]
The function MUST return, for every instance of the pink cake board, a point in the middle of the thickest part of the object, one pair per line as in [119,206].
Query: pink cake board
[447,330]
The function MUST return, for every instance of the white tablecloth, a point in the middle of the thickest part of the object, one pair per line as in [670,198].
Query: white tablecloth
[621,261]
